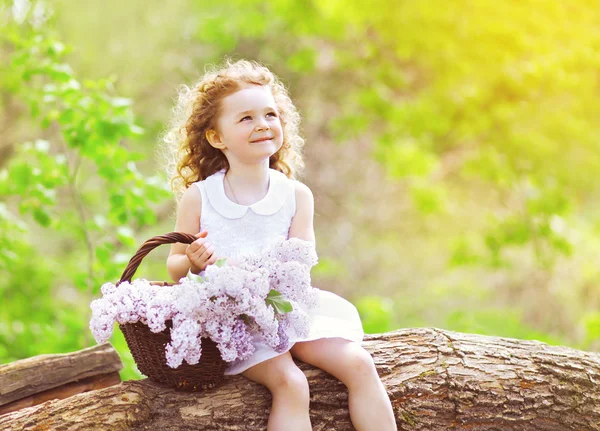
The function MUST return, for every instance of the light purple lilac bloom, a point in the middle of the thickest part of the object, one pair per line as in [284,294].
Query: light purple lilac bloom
[229,306]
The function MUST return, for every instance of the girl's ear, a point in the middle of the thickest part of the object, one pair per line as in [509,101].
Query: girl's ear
[214,139]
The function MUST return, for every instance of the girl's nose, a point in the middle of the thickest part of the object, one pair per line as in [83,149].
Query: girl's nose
[261,124]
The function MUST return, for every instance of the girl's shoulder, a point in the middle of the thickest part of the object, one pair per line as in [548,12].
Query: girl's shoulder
[191,198]
[304,194]
[300,186]
[301,190]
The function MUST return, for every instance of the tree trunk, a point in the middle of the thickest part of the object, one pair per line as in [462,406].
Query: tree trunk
[35,380]
[436,380]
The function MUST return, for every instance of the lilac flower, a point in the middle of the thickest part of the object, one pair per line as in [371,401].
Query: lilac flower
[284,339]
[231,304]
[297,249]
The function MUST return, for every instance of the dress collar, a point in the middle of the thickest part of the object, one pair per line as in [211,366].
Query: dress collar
[279,189]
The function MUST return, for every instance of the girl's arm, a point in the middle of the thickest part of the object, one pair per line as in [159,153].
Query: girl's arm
[302,223]
[188,221]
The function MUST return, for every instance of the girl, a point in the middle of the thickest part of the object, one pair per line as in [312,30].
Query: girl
[235,147]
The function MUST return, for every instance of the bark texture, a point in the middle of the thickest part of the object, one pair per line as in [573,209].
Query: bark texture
[40,378]
[436,380]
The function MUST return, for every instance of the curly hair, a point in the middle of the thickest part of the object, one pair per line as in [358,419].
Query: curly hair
[189,155]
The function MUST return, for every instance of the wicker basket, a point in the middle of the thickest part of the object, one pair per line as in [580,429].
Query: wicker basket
[148,348]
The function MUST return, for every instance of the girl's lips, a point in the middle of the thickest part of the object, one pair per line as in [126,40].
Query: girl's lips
[262,140]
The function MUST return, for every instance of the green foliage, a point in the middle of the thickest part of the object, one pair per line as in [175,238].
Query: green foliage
[93,123]
[462,95]
[276,300]
[486,126]
[500,322]
[591,322]
[328,267]
[376,313]
[84,185]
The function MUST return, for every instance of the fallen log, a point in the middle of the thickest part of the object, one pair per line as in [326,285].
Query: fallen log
[436,380]
[35,380]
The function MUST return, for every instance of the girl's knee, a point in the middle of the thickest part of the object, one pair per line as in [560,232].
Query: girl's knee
[291,380]
[361,363]
[280,375]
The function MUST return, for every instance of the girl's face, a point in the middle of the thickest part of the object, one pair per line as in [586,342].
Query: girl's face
[249,125]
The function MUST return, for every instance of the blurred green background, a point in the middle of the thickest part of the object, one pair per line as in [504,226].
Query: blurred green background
[453,149]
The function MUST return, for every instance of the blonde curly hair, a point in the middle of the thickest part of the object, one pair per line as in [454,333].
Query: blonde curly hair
[189,155]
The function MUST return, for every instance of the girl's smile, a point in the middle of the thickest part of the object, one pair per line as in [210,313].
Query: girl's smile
[249,125]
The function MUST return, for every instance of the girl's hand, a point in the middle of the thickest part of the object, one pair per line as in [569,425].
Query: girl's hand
[200,253]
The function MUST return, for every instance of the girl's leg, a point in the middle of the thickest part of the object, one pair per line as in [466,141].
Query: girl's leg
[368,401]
[289,387]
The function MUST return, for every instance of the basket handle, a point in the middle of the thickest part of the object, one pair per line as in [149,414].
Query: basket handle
[148,246]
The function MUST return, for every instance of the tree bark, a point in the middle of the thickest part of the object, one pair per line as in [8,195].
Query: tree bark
[32,381]
[436,380]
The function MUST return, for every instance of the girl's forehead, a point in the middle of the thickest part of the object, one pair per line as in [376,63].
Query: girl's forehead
[249,98]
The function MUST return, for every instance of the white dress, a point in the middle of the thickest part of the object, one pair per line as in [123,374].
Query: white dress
[235,229]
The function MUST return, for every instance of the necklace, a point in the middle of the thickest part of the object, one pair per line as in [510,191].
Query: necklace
[230,188]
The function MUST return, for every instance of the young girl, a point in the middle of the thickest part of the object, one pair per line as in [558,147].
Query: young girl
[235,149]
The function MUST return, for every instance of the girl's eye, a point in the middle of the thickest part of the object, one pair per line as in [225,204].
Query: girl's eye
[270,113]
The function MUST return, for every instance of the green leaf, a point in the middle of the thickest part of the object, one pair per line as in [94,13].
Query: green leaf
[117,200]
[81,280]
[103,253]
[220,262]
[125,235]
[278,302]
[21,175]
[42,217]
[56,48]
[60,72]
[195,277]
